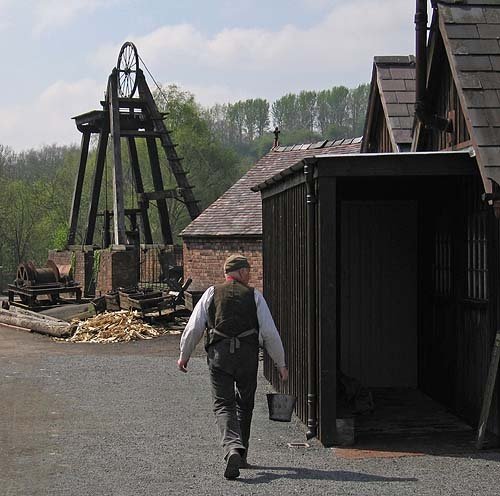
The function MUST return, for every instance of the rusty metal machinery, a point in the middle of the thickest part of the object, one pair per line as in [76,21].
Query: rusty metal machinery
[37,288]
[52,274]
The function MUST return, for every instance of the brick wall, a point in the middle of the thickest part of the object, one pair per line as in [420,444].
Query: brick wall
[117,268]
[82,270]
[204,259]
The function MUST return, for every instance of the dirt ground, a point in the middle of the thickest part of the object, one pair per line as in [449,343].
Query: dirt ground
[119,419]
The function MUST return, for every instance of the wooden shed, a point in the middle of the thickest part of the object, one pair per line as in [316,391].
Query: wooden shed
[391,259]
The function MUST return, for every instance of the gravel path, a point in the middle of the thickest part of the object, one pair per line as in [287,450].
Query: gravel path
[120,420]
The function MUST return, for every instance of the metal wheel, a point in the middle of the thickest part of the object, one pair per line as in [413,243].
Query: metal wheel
[127,65]
[26,274]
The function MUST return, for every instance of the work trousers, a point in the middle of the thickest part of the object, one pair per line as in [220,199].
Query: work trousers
[234,380]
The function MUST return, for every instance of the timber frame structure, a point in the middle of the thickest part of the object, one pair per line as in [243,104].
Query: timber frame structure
[128,117]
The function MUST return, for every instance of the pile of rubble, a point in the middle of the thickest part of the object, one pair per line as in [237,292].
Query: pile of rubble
[113,327]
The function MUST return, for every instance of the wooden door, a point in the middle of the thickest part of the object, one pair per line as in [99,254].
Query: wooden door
[379,292]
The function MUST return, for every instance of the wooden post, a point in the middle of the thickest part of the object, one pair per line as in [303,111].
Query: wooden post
[77,193]
[118,201]
[96,185]
[158,185]
[139,188]
[169,147]
[488,392]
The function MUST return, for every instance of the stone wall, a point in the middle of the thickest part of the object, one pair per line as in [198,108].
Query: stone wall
[204,259]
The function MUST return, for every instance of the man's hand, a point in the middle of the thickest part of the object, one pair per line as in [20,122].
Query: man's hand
[182,365]
[283,374]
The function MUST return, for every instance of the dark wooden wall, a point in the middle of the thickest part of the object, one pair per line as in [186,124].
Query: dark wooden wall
[379,292]
[285,286]
[380,140]
[445,103]
[459,298]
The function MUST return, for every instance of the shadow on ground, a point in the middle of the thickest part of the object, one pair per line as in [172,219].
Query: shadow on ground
[312,474]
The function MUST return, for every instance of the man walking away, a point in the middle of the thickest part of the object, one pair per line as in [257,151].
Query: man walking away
[236,319]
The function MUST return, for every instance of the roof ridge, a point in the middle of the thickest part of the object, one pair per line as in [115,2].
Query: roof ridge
[394,59]
[318,144]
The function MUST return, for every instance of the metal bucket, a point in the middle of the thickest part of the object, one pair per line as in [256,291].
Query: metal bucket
[281,406]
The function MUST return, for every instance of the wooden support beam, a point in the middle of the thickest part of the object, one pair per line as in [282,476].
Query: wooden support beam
[159,195]
[96,185]
[139,188]
[328,313]
[120,236]
[158,185]
[166,141]
[136,133]
[130,103]
[77,192]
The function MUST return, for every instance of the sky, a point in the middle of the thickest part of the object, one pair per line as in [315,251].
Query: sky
[57,54]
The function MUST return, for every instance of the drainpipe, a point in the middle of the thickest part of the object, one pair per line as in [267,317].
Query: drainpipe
[420,57]
[422,110]
[312,416]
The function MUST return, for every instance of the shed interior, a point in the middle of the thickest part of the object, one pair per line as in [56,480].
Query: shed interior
[414,293]
[406,290]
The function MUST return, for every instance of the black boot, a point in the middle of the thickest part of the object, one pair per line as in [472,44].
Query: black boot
[244,463]
[233,463]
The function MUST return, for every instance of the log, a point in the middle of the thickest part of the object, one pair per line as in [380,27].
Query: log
[40,325]
[33,315]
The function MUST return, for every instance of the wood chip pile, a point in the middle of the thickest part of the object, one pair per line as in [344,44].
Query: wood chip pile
[114,327]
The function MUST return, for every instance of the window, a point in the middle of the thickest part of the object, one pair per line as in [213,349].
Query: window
[442,261]
[477,259]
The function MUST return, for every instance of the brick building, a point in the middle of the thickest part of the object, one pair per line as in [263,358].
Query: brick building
[233,223]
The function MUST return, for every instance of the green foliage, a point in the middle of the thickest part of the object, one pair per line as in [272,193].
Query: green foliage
[218,145]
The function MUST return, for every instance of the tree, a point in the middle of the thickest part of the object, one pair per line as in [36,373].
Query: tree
[306,106]
[262,113]
[358,101]
[284,111]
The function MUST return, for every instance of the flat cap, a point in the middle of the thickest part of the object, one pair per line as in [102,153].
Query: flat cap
[235,262]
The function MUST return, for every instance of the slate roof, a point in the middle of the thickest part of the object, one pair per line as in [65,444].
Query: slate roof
[238,212]
[393,82]
[471,32]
